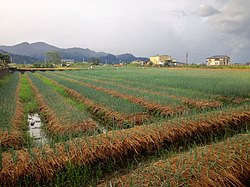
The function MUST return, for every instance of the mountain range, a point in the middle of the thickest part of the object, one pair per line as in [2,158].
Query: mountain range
[32,52]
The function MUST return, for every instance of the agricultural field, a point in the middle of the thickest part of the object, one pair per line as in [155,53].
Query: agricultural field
[125,126]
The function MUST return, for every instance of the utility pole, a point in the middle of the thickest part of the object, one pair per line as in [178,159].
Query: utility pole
[187,58]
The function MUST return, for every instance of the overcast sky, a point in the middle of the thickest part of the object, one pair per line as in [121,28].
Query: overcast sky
[142,27]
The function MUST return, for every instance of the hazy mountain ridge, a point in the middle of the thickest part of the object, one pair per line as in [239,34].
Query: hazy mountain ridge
[37,51]
[21,59]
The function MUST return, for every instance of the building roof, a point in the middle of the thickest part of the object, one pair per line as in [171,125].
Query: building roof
[161,55]
[218,56]
[67,60]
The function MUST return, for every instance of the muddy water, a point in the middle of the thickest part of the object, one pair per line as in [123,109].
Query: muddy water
[35,130]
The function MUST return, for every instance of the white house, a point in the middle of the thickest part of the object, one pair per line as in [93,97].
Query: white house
[68,62]
[218,60]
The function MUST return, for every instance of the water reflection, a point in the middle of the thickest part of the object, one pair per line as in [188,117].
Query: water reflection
[35,130]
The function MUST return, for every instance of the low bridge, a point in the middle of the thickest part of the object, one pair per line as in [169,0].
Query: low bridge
[22,70]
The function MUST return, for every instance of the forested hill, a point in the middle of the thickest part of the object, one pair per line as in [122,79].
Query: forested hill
[32,52]
[21,59]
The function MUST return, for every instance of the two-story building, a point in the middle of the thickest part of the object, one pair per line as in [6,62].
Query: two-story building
[218,60]
[67,62]
[161,59]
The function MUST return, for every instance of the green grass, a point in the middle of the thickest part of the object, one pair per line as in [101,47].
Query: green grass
[163,100]
[117,104]
[4,80]
[207,81]
[62,92]
[27,97]
[7,100]
[30,106]
[66,112]
[143,84]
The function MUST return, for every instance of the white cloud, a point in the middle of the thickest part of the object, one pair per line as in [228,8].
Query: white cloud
[179,13]
[207,10]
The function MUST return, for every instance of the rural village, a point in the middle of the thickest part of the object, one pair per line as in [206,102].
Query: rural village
[146,93]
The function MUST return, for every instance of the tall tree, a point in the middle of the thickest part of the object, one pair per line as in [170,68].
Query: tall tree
[95,61]
[5,58]
[53,57]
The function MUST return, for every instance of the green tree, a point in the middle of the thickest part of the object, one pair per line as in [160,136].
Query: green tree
[166,63]
[151,63]
[95,61]
[37,65]
[53,57]
[5,59]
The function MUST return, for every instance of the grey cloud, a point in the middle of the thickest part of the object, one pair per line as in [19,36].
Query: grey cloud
[233,23]
[207,10]
[234,18]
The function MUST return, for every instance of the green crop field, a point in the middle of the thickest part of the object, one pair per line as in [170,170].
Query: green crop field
[126,126]
[7,99]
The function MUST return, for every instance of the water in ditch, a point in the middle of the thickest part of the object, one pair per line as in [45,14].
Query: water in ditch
[35,130]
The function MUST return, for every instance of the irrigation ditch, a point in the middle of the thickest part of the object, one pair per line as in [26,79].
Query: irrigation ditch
[35,130]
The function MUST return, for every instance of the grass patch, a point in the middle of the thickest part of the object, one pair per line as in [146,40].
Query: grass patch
[27,97]
[62,92]
[30,106]
[4,80]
